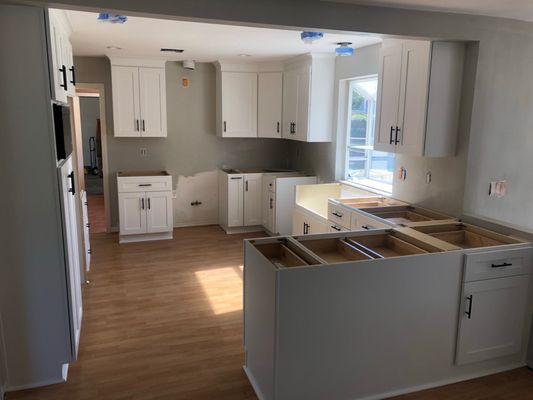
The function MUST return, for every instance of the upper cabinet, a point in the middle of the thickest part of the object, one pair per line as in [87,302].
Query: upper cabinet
[308,84]
[139,98]
[63,75]
[269,99]
[237,104]
[419,93]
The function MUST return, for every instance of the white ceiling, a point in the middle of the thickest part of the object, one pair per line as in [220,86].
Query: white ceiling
[515,9]
[203,42]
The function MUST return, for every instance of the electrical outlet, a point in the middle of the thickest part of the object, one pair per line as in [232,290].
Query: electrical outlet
[428,177]
[402,173]
[143,151]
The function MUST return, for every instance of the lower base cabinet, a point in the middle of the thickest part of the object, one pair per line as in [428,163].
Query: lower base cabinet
[145,213]
[306,224]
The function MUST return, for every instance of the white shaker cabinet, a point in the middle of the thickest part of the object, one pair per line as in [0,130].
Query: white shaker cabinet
[419,93]
[145,206]
[139,98]
[237,104]
[269,104]
[252,213]
[308,83]
[63,76]
[304,223]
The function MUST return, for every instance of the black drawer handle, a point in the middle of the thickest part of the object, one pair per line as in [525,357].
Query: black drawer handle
[469,312]
[505,264]
[365,227]
[336,228]
[145,184]
[337,214]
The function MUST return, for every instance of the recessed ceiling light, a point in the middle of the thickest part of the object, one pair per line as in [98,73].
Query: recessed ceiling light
[113,48]
[244,55]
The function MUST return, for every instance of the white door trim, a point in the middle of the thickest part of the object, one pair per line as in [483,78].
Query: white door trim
[91,89]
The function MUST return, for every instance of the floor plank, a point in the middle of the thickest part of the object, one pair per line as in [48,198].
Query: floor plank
[163,320]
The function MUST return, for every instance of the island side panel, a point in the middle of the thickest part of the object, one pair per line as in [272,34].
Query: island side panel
[356,330]
[259,320]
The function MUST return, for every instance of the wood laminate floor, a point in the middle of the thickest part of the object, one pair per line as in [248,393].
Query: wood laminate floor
[163,320]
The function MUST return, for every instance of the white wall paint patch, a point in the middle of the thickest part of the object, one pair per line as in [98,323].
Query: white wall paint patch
[201,187]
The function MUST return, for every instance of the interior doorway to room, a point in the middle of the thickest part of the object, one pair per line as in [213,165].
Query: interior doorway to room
[91,151]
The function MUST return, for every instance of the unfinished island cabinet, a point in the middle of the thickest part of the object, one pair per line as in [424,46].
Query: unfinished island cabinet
[145,206]
[418,100]
[338,315]
[139,98]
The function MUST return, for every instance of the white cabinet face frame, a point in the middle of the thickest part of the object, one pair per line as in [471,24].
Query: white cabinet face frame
[235,200]
[252,199]
[269,104]
[302,110]
[239,104]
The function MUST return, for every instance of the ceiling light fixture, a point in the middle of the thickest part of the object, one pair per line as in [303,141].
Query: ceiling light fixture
[309,37]
[344,49]
[113,48]
[112,18]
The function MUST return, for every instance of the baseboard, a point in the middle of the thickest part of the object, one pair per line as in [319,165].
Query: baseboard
[145,237]
[254,384]
[412,389]
[442,382]
[242,229]
[199,223]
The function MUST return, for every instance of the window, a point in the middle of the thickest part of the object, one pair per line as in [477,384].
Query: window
[364,165]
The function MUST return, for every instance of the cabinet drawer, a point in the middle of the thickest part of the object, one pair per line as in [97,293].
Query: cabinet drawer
[149,184]
[497,264]
[361,221]
[337,228]
[339,215]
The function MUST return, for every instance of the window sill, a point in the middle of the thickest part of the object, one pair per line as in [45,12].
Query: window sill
[374,189]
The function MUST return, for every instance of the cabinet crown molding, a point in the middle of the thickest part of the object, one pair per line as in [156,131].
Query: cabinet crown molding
[225,66]
[136,62]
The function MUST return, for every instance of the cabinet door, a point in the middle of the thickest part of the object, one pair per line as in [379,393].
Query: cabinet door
[317,225]
[252,199]
[269,213]
[413,97]
[302,109]
[132,213]
[269,100]
[290,103]
[239,104]
[69,62]
[59,77]
[388,98]
[299,222]
[235,200]
[492,318]
[159,212]
[126,114]
[152,100]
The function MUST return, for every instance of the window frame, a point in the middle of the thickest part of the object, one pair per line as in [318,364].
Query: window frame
[366,182]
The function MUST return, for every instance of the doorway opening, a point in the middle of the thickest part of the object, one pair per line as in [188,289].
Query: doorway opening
[91,147]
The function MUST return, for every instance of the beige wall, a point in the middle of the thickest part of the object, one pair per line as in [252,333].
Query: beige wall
[192,152]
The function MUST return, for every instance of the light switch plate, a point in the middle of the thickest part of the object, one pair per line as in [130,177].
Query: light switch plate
[143,151]
[498,189]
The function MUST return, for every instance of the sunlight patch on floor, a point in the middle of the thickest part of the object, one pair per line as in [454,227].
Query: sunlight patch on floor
[223,288]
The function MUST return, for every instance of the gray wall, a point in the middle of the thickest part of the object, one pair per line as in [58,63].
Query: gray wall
[90,112]
[33,295]
[501,119]
[192,152]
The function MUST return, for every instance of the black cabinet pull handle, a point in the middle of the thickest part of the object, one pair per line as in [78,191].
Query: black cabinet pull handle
[271,199]
[337,214]
[277,128]
[143,126]
[73,81]
[365,227]
[246,185]
[224,126]
[236,177]
[144,184]
[142,204]
[391,132]
[396,141]
[87,225]
[72,183]
[63,70]
[149,203]
[294,127]
[137,125]
[505,264]
[469,312]
[336,228]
